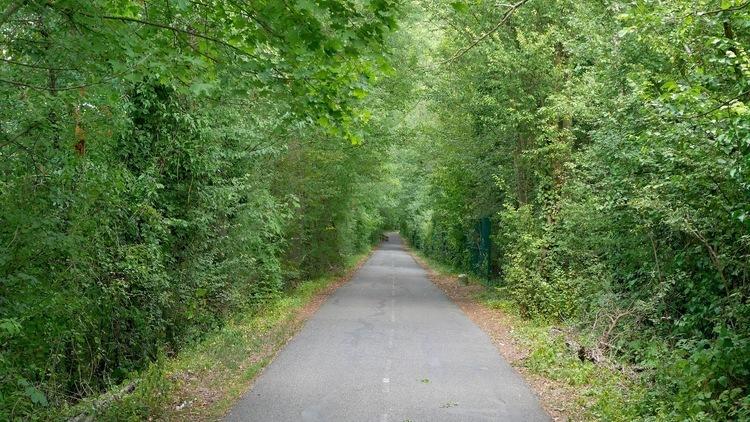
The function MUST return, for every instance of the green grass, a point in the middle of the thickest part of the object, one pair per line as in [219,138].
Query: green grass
[206,379]
[596,391]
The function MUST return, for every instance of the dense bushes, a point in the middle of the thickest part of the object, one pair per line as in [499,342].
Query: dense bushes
[608,144]
[163,165]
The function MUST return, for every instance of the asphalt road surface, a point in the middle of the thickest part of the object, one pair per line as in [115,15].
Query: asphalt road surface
[389,346]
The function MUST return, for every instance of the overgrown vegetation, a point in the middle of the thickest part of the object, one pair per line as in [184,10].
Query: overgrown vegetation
[570,387]
[208,377]
[594,391]
[165,165]
[607,142]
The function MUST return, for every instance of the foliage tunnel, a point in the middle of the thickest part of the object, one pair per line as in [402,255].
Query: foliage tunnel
[167,164]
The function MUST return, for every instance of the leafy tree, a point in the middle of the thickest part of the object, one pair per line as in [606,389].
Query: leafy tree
[161,166]
[606,141]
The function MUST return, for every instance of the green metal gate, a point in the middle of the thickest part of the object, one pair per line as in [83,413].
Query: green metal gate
[481,248]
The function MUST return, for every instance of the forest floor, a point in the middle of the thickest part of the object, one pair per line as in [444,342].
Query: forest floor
[568,388]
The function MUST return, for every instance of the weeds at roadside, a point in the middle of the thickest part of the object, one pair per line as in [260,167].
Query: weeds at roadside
[571,389]
[205,380]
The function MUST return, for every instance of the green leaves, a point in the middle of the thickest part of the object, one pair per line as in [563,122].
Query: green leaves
[202,88]
[614,167]
[146,153]
[359,93]
[9,327]
[34,394]
[460,6]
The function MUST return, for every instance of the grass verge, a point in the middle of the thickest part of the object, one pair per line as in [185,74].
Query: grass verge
[205,380]
[569,388]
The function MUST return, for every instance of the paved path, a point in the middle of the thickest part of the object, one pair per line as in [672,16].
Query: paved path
[389,346]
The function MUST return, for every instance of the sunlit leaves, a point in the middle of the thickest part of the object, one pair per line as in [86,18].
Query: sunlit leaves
[460,6]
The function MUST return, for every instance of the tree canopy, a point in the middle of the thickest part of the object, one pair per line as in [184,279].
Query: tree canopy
[165,164]
[607,143]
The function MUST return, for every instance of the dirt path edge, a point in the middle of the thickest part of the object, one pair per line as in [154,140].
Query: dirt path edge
[555,396]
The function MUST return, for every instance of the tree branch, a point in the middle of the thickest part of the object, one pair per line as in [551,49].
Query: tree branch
[35,66]
[79,86]
[17,136]
[170,28]
[481,38]
[55,89]
[729,9]
[719,106]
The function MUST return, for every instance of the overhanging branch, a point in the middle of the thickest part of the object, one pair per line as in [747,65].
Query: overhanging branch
[484,36]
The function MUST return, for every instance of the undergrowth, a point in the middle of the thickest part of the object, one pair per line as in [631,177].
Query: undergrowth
[598,391]
[601,392]
[207,378]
